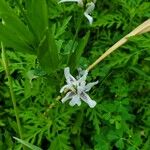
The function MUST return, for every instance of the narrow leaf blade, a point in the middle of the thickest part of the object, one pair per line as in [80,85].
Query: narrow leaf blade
[74,58]
[31,146]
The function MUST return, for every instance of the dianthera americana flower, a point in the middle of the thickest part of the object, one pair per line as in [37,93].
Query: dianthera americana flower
[89,8]
[77,88]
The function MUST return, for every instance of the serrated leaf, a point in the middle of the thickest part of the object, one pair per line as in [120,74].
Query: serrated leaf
[120,144]
[60,142]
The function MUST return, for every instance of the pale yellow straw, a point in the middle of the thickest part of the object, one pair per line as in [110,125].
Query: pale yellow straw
[143,28]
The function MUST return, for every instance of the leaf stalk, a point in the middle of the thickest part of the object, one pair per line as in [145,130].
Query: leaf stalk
[6,67]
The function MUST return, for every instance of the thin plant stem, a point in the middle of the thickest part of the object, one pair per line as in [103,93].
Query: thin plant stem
[5,63]
[143,28]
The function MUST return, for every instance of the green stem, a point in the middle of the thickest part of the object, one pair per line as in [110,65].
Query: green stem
[5,63]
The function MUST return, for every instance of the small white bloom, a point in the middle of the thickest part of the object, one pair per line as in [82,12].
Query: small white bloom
[80,2]
[88,11]
[77,88]
[90,7]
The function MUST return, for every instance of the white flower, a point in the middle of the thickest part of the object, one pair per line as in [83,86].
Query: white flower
[80,2]
[90,7]
[77,88]
[88,11]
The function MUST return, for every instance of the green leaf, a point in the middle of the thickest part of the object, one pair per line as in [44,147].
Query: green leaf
[8,139]
[137,140]
[101,143]
[11,19]
[47,49]
[140,72]
[13,31]
[120,144]
[60,142]
[147,58]
[48,54]
[74,58]
[38,17]
[10,39]
[146,145]
[63,27]
[31,146]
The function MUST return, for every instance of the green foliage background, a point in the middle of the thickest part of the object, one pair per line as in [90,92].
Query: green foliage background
[41,38]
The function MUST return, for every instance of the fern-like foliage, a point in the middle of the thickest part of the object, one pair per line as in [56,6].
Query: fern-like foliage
[43,37]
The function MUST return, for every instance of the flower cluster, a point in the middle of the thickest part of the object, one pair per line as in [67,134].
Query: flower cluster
[89,8]
[76,88]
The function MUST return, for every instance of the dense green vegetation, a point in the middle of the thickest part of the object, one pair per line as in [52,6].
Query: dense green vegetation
[41,38]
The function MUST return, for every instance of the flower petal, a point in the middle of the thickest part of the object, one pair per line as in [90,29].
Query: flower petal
[90,19]
[68,96]
[62,1]
[80,89]
[90,8]
[90,85]
[84,76]
[75,100]
[80,73]
[85,97]
[68,76]
[65,87]
[80,2]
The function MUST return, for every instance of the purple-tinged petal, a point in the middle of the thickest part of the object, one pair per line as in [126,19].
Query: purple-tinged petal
[68,96]
[90,85]
[75,100]
[84,76]
[68,76]
[80,89]
[87,99]
[80,73]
